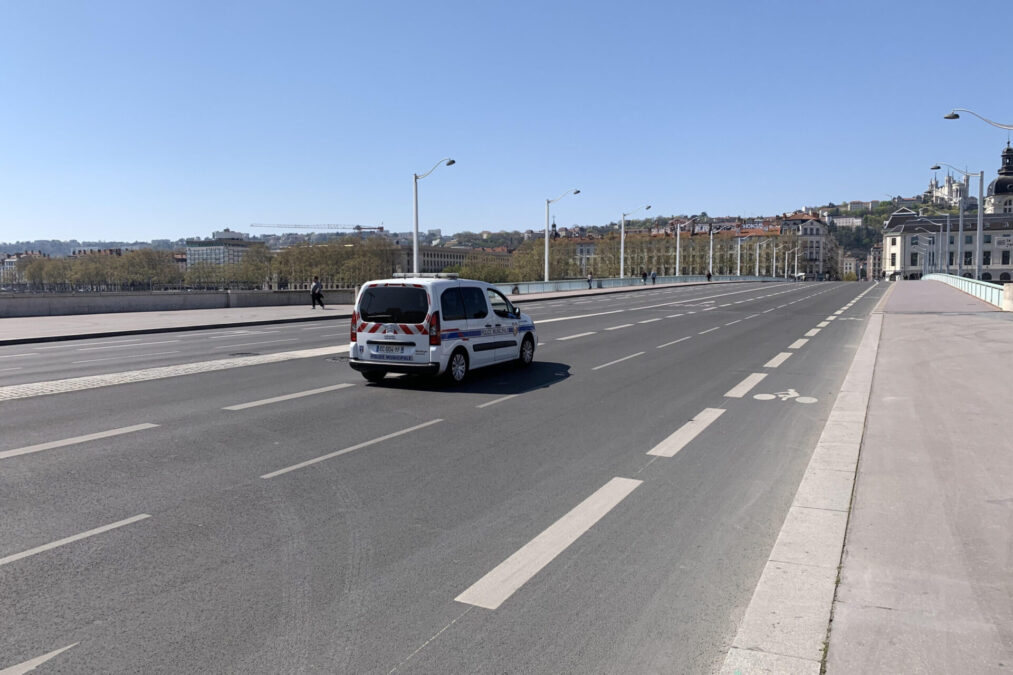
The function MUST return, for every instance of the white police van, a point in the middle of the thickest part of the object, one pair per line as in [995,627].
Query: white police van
[436,324]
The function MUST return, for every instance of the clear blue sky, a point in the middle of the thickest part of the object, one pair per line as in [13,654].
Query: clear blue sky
[124,120]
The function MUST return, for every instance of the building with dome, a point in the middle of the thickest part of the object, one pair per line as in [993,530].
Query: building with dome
[999,198]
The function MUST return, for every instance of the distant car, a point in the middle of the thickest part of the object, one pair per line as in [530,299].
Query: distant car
[436,325]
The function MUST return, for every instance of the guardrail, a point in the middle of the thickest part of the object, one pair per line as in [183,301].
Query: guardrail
[983,290]
[525,287]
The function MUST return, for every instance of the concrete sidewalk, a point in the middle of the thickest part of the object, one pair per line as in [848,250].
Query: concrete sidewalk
[926,582]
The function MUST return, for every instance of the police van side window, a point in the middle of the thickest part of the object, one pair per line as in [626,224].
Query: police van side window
[499,303]
[452,305]
[474,302]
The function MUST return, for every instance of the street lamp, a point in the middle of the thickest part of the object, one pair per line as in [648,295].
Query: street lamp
[952,115]
[795,251]
[738,254]
[547,202]
[622,239]
[710,257]
[937,253]
[415,193]
[758,245]
[980,175]
[678,244]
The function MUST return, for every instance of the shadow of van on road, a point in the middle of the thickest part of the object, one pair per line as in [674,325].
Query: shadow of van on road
[500,379]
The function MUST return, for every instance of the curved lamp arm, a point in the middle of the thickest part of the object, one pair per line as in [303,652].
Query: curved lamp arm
[568,192]
[449,162]
[954,116]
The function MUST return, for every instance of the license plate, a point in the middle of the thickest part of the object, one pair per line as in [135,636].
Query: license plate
[390,349]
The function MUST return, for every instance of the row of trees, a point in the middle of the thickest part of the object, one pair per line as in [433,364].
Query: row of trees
[347,265]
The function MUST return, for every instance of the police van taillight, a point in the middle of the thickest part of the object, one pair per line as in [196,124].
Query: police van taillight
[434,330]
[355,324]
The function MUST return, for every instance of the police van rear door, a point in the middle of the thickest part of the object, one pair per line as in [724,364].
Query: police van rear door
[392,325]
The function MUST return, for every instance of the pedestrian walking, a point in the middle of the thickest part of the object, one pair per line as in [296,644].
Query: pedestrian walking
[708,275]
[317,293]
[589,279]
[654,277]
[643,275]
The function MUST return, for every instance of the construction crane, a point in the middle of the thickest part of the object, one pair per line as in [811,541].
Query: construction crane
[357,228]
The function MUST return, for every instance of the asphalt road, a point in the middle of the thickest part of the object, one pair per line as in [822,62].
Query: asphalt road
[608,510]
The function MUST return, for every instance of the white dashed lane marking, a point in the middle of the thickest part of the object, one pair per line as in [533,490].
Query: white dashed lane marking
[777,360]
[686,433]
[69,540]
[743,388]
[574,337]
[612,363]
[497,586]
[75,440]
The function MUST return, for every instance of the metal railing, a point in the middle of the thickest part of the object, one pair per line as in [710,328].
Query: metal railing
[983,290]
[526,287]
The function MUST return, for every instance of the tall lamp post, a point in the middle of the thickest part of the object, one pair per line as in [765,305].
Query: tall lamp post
[678,244]
[758,245]
[547,202]
[622,239]
[415,194]
[952,115]
[738,255]
[980,175]
[710,256]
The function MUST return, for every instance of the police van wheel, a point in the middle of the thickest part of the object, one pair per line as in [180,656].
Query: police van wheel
[527,354]
[374,375]
[457,368]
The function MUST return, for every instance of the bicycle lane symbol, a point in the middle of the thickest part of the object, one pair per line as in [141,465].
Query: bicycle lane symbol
[789,395]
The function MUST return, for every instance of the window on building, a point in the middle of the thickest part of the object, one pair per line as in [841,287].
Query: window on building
[1005,257]
[893,260]
[1007,206]
[988,239]
[914,259]
[914,240]
[951,239]
[893,241]
[951,258]
[968,239]
[967,257]
[986,257]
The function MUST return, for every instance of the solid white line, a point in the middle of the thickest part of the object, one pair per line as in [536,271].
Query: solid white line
[143,344]
[674,342]
[777,360]
[686,433]
[823,324]
[612,363]
[574,337]
[494,588]
[798,344]
[498,400]
[650,320]
[364,444]
[74,441]
[812,333]
[742,388]
[582,316]
[249,344]
[287,397]
[623,325]
[68,540]
[708,330]
[122,357]
[32,664]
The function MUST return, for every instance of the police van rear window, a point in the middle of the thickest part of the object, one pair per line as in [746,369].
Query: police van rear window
[394,304]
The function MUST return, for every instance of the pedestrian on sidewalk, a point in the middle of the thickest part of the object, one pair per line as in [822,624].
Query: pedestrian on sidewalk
[643,275]
[317,293]
[654,277]
[589,280]
[708,275]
